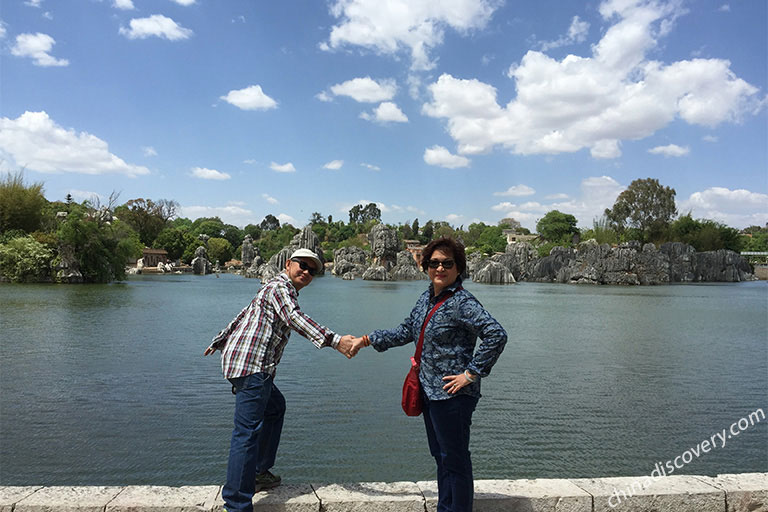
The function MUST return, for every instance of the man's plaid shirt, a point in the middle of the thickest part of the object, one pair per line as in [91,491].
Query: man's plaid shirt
[254,341]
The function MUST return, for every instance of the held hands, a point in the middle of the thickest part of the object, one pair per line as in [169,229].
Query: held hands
[349,346]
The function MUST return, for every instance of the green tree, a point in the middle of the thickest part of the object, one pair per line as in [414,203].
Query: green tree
[415,228]
[492,240]
[102,248]
[557,227]
[174,241]
[645,205]
[233,234]
[147,217]
[427,232]
[25,259]
[705,235]
[359,214]
[219,249]
[253,230]
[270,223]
[317,218]
[21,206]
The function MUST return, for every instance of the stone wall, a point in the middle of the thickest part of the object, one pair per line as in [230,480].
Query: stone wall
[747,492]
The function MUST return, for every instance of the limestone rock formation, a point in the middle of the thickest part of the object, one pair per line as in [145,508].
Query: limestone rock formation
[376,273]
[493,272]
[384,246]
[349,260]
[247,252]
[406,268]
[200,263]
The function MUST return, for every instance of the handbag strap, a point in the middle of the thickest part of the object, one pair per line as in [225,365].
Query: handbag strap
[420,344]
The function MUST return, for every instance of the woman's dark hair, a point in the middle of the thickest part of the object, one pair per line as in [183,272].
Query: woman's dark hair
[448,245]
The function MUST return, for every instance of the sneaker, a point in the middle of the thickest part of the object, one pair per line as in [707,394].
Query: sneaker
[266,481]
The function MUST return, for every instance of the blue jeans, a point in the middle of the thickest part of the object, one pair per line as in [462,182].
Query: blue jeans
[448,423]
[259,412]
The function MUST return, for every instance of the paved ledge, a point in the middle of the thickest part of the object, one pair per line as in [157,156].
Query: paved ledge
[746,492]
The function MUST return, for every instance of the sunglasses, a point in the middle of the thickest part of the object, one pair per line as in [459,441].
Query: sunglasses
[304,266]
[447,264]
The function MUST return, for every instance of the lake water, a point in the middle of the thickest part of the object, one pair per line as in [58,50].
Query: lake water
[108,385]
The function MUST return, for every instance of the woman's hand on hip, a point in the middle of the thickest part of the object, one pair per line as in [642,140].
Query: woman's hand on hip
[455,382]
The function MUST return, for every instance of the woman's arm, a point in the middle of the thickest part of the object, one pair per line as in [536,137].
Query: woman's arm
[493,337]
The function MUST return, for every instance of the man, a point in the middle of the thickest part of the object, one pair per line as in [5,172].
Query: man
[251,347]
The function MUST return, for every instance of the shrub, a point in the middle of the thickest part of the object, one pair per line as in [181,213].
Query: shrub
[24,259]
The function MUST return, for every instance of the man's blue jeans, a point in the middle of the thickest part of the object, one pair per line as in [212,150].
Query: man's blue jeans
[259,412]
[448,423]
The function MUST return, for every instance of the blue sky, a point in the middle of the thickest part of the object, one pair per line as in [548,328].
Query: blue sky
[455,110]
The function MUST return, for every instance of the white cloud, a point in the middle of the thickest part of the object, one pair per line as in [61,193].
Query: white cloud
[505,206]
[725,8]
[737,208]
[270,199]
[577,33]
[156,25]
[556,196]
[185,3]
[125,5]
[387,112]
[47,15]
[517,190]
[364,90]
[438,155]
[709,138]
[149,151]
[33,3]
[416,26]
[85,195]
[334,165]
[230,214]
[324,96]
[37,46]
[250,98]
[288,167]
[452,217]
[209,174]
[670,150]
[595,195]
[286,219]
[2,29]
[371,166]
[594,102]
[35,142]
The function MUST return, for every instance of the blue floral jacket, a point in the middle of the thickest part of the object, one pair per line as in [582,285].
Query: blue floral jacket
[449,339]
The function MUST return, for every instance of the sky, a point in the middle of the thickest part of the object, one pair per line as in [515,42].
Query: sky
[453,110]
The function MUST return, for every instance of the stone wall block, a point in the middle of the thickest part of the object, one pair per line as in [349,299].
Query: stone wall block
[746,492]
[540,495]
[370,497]
[643,494]
[154,498]
[11,495]
[68,499]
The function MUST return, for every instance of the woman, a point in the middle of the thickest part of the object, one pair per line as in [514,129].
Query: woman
[451,368]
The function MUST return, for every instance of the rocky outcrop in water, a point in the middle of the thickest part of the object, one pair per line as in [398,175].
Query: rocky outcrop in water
[200,263]
[406,268]
[629,263]
[493,272]
[349,260]
[376,274]
[384,246]
[634,264]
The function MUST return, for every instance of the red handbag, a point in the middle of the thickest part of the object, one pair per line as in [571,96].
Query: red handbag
[412,404]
